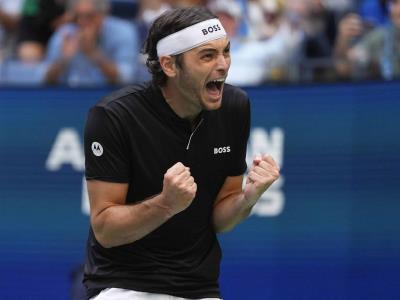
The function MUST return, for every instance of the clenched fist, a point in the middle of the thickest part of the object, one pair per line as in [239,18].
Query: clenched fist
[179,188]
[262,174]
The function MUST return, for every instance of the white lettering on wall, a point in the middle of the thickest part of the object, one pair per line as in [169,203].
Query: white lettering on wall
[272,202]
[67,150]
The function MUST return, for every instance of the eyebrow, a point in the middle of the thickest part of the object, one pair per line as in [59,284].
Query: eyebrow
[212,49]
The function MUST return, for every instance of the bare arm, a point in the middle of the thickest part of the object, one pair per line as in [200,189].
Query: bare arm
[350,28]
[88,44]
[108,67]
[116,223]
[230,207]
[55,70]
[68,50]
[234,204]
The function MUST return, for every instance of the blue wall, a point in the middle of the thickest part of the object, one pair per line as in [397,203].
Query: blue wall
[329,229]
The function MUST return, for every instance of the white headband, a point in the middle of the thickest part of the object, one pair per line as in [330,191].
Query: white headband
[190,37]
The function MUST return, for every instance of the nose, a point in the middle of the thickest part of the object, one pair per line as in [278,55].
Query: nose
[223,63]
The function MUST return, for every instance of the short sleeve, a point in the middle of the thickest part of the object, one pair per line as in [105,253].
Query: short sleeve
[106,151]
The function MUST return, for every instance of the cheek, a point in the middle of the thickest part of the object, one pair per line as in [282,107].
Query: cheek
[190,83]
[197,79]
[228,61]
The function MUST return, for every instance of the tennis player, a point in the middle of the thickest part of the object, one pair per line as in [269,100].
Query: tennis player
[164,168]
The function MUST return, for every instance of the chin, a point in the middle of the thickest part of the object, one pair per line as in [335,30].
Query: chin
[212,105]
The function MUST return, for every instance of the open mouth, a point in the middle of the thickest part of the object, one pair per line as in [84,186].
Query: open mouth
[214,87]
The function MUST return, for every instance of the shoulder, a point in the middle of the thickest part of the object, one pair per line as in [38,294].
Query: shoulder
[125,99]
[234,91]
[375,37]
[234,97]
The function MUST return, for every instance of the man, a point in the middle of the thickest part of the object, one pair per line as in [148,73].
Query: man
[39,20]
[374,55]
[164,168]
[10,11]
[94,50]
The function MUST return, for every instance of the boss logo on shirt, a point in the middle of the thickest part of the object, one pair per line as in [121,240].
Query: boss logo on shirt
[211,29]
[97,149]
[220,150]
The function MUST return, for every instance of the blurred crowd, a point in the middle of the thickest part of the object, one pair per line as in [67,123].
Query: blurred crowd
[98,42]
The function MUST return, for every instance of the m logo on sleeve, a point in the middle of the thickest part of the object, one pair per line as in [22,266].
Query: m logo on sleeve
[97,149]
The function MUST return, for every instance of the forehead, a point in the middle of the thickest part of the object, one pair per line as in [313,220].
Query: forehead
[84,5]
[218,44]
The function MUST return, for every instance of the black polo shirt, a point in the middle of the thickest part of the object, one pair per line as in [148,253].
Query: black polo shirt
[133,136]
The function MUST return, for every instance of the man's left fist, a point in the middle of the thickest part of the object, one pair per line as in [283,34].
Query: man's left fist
[262,174]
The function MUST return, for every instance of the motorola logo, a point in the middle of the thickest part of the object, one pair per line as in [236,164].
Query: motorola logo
[97,149]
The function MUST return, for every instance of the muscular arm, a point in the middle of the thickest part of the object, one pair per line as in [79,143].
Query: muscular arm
[115,223]
[230,207]
[233,203]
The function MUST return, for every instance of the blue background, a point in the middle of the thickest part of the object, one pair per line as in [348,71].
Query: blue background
[338,236]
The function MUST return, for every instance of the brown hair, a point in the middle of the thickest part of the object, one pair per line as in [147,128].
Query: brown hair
[168,23]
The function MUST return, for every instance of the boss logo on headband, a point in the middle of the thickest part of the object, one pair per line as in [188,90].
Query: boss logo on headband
[211,29]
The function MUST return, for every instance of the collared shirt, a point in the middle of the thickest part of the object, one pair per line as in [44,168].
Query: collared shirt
[134,137]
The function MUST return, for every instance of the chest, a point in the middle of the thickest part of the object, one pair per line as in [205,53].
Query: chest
[207,150]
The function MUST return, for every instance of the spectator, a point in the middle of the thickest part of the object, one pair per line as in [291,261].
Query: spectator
[9,17]
[319,23]
[149,10]
[265,17]
[95,49]
[230,15]
[186,3]
[350,29]
[320,29]
[40,18]
[256,61]
[376,55]
[341,6]
[275,53]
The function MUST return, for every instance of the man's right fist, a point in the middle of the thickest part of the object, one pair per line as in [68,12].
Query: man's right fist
[179,188]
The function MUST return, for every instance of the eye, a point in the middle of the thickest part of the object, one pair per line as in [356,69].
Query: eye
[207,56]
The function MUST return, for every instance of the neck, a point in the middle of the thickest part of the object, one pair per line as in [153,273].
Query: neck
[180,103]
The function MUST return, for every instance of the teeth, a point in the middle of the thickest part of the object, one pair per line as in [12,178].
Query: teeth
[218,80]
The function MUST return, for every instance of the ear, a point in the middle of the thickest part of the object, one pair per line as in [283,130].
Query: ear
[168,65]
